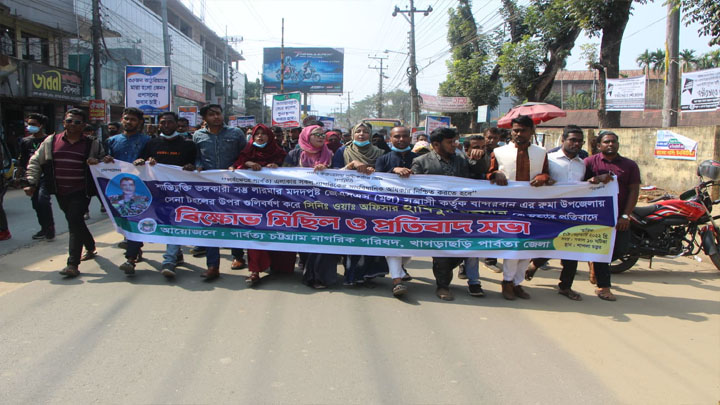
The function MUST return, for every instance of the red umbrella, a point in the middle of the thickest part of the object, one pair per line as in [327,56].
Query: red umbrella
[539,112]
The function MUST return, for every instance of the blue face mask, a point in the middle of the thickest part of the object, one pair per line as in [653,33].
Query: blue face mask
[363,143]
[260,145]
[405,149]
[33,129]
[501,143]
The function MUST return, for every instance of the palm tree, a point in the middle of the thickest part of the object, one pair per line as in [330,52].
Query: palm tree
[709,60]
[688,60]
[644,61]
[658,61]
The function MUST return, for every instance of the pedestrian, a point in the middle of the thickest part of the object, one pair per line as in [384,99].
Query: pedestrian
[443,160]
[378,140]
[291,142]
[183,128]
[170,148]
[519,161]
[64,159]
[5,164]
[218,146]
[41,201]
[333,139]
[264,152]
[571,129]
[566,166]
[474,148]
[492,139]
[599,169]
[398,161]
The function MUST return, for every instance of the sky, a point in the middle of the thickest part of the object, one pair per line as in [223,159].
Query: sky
[367,28]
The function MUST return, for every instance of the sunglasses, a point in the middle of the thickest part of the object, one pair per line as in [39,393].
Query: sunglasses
[71,121]
[319,135]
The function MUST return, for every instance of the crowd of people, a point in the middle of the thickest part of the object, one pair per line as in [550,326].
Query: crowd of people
[59,164]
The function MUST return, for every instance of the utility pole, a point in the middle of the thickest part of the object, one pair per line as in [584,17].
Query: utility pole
[380,87]
[412,69]
[97,84]
[282,57]
[670,95]
[225,75]
[166,45]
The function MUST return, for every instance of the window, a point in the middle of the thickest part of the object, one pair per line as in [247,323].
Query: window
[35,49]
[7,41]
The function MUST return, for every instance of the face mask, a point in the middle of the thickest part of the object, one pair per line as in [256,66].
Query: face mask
[173,135]
[260,145]
[405,149]
[33,129]
[185,134]
[501,143]
[363,143]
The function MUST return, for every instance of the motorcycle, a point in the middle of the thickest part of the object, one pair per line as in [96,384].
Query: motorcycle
[674,227]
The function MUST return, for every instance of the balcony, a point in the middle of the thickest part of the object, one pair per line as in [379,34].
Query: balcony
[212,67]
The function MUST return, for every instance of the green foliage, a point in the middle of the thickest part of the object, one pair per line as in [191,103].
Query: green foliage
[688,60]
[709,60]
[396,104]
[253,100]
[579,101]
[519,64]
[705,12]
[658,61]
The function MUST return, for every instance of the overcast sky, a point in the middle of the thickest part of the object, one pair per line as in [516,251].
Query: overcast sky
[367,28]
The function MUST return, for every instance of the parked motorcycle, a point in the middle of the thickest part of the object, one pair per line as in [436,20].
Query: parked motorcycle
[673,227]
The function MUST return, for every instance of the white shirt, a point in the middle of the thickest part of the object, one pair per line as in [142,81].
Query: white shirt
[565,170]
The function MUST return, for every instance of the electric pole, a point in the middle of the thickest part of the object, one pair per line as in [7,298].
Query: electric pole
[380,87]
[97,83]
[167,46]
[412,69]
[282,57]
[670,95]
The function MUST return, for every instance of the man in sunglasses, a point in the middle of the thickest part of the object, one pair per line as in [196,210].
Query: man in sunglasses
[63,159]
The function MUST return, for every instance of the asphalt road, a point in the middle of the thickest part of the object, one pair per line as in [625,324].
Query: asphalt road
[104,338]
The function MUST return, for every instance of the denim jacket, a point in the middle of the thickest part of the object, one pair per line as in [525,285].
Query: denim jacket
[126,148]
[218,151]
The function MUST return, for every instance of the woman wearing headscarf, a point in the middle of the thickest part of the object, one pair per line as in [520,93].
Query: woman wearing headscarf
[264,151]
[359,154]
[378,140]
[333,139]
[319,269]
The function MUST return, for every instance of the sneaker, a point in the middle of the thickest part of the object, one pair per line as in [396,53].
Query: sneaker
[128,267]
[70,271]
[475,290]
[168,270]
[50,233]
[461,274]
[5,235]
[40,235]
[86,216]
[198,251]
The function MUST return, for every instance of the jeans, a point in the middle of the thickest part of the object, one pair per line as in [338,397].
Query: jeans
[74,205]
[171,254]
[443,270]
[602,270]
[43,207]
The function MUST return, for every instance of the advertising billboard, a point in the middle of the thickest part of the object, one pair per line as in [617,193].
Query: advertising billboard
[307,70]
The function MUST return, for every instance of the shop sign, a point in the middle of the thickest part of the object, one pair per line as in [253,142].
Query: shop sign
[54,83]
[97,110]
[189,94]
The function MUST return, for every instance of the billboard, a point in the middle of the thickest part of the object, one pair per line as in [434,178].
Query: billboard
[445,104]
[307,70]
[700,91]
[625,94]
[433,122]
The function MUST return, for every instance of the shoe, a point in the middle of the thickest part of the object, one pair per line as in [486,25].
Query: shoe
[495,268]
[5,235]
[211,273]
[128,267]
[520,293]
[180,259]
[168,270]
[238,264]
[86,216]
[605,294]
[139,256]
[89,254]
[253,279]
[40,235]
[319,286]
[461,274]
[507,290]
[399,290]
[407,276]
[475,290]
[570,294]
[198,251]
[70,271]
[444,294]
[50,233]
[122,245]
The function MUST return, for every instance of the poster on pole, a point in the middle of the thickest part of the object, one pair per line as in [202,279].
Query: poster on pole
[190,113]
[435,121]
[307,70]
[97,110]
[445,104]
[483,113]
[328,122]
[700,91]
[625,94]
[286,110]
[670,145]
[148,88]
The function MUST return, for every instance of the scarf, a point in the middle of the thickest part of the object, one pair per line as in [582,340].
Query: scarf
[271,153]
[311,155]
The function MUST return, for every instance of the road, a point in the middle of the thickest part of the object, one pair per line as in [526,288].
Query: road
[105,338]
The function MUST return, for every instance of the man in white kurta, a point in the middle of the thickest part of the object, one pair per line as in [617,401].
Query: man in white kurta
[519,161]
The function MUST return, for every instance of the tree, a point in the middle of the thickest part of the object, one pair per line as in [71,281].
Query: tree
[644,61]
[396,104]
[707,13]
[606,19]
[709,60]
[688,60]
[471,70]
[658,61]
[253,100]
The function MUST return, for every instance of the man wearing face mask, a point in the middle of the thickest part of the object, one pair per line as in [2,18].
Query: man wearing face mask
[170,148]
[41,197]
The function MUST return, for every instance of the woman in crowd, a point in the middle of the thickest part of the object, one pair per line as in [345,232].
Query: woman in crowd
[333,139]
[359,154]
[378,140]
[264,152]
[319,270]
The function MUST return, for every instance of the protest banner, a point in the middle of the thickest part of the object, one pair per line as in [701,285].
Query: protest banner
[625,94]
[148,88]
[286,110]
[246,121]
[307,70]
[445,104]
[190,113]
[300,210]
[97,110]
[700,91]
[328,122]
[432,122]
[670,145]
[232,121]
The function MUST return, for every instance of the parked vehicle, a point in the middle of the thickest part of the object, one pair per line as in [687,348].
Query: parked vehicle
[673,227]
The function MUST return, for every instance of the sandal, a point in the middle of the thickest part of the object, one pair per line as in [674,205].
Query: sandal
[399,290]
[253,279]
[570,294]
[605,294]
[444,294]
[529,274]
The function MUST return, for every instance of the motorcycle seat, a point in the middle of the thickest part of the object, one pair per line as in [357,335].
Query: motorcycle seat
[642,212]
